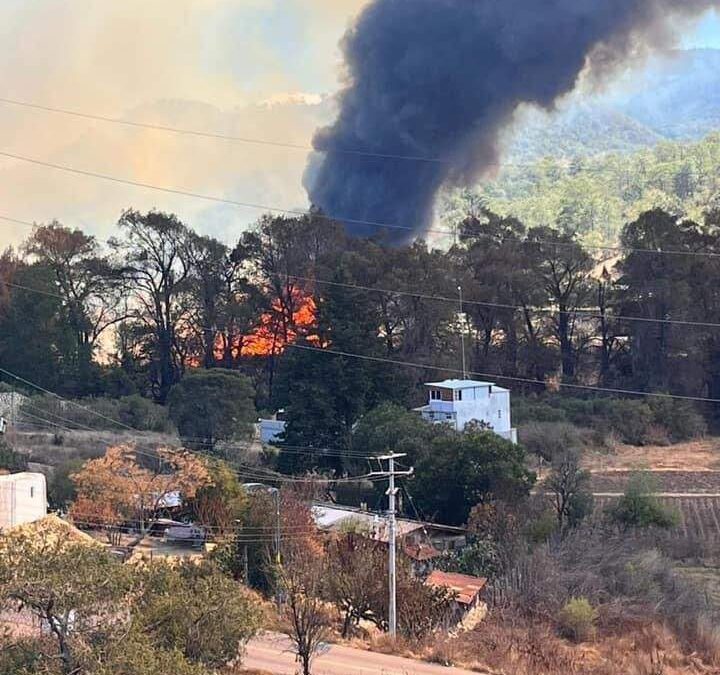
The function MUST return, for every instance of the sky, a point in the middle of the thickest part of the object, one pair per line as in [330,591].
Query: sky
[706,34]
[255,68]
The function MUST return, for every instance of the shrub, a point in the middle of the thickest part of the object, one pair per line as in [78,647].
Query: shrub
[101,413]
[480,559]
[630,419]
[680,419]
[636,422]
[549,439]
[541,528]
[11,460]
[577,619]
[143,414]
[526,410]
[638,507]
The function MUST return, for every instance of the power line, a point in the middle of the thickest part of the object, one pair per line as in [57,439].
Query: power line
[268,142]
[526,380]
[591,314]
[219,136]
[68,401]
[588,313]
[259,473]
[311,213]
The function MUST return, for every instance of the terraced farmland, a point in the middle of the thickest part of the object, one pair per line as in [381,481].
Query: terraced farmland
[699,516]
[678,482]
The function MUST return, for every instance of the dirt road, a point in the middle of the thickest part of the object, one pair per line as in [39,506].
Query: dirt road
[272,653]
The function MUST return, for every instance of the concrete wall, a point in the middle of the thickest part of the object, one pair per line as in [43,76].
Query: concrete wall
[478,404]
[23,499]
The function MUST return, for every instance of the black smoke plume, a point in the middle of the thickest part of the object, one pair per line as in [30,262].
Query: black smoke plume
[440,79]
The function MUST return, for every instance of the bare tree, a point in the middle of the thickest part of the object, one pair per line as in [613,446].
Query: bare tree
[301,580]
[356,563]
[568,485]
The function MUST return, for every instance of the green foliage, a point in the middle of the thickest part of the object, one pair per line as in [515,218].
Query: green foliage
[558,421]
[101,413]
[453,471]
[11,460]
[550,439]
[481,559]
[680,419]
[639,507]
[539,529]
[35,341]
[109,618]
[324,395]
[577,619]
[223,503]
[61,488]
[195,610]
[595,197]
[139,413]
[211,406]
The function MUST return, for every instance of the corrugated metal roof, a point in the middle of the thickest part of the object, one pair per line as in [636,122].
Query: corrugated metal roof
[466,587]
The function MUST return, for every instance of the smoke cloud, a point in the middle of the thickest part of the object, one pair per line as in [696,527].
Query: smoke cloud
[441,79]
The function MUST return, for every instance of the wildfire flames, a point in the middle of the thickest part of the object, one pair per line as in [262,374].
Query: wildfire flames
[275,329]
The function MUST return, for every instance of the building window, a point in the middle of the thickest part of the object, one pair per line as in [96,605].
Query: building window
[434,395]
[499,414]
[32,492]
[448,416]
[458,395]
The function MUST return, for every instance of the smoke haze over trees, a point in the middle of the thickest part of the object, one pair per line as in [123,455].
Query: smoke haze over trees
[541,310]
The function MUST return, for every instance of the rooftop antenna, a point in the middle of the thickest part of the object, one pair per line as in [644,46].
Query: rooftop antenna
[462,334]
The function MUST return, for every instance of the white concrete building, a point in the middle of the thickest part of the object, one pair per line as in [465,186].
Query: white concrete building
[462,402]
[23,498]
[271,430]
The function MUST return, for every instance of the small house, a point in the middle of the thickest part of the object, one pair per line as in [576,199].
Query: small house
[461,403]
[467,590]
[420,541]
[23,499]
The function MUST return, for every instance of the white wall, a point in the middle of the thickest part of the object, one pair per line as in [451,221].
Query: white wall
[477,405]
[23,498]
[271,430]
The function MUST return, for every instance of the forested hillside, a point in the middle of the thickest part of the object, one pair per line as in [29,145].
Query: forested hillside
[649,141]
[596,196]
[676,98]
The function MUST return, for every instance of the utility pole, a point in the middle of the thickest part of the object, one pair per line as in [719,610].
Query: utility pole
[462,333]
[392,539]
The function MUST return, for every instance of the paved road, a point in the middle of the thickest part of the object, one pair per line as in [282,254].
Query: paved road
[272,652]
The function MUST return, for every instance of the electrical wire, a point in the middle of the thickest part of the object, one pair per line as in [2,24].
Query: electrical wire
[219,136]
[243,470]
[587,313]
[422,366]
[300,212]
[591,314]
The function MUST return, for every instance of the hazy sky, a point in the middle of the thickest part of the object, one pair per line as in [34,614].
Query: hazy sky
[216,65]
[707,34]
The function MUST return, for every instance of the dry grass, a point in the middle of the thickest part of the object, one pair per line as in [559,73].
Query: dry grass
[702,455]
[48,449]
[517,647]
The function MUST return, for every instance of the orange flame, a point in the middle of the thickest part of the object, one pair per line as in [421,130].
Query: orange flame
[270,337]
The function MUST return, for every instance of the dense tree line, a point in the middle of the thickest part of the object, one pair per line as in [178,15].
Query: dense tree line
[159,301]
